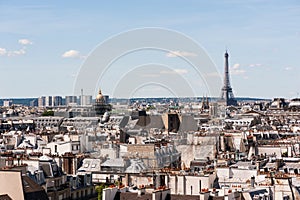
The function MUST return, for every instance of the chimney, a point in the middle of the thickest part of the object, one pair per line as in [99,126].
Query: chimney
[257,165]
[141,191]
[164,194]
[200,186]
[278,163]
[215,193]
[68,163]
[252,181]
[176,184]
[204,194]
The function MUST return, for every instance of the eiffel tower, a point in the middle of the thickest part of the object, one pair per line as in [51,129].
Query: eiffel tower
[227,94]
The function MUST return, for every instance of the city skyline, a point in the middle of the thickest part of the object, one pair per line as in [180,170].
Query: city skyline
[44,44]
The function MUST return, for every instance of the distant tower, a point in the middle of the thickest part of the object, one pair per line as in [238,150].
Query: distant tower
[204,103]
[101,106]
[227,94]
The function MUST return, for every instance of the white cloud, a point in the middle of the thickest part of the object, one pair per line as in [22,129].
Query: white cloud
[181,71]
[25,42]
[288,68]
[149,75]
[71,54]
[22,51]
[2,51]
[255,65]
[17,52]
[173,54]
[236,70]
[175,71]
[236,66]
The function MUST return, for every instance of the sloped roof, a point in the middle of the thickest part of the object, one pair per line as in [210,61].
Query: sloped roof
[90,164]
[188,123]
[136,166]
[256,192]
[45,158]
[117,162]
[124,122]
[33,190]
[152,121]
[25,144]
[5,197]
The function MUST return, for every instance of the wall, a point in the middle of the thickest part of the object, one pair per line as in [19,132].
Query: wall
[161,194]
[143,150]
[2,162]
[109,193]
[11,184]
[184,184]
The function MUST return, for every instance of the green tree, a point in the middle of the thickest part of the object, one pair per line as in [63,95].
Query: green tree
[48,113]
[99,189]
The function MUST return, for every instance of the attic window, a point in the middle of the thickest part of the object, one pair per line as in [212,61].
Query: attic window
[93,165]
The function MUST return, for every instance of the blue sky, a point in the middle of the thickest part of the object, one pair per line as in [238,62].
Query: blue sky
[44,43]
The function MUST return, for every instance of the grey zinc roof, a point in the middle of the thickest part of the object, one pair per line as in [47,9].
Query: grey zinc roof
[118,162]
[124,122]
[188,123]
[136,166]
[90,165]
[257,192]
[152,121]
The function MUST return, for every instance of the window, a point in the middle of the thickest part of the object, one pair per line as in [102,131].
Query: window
[74,147]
